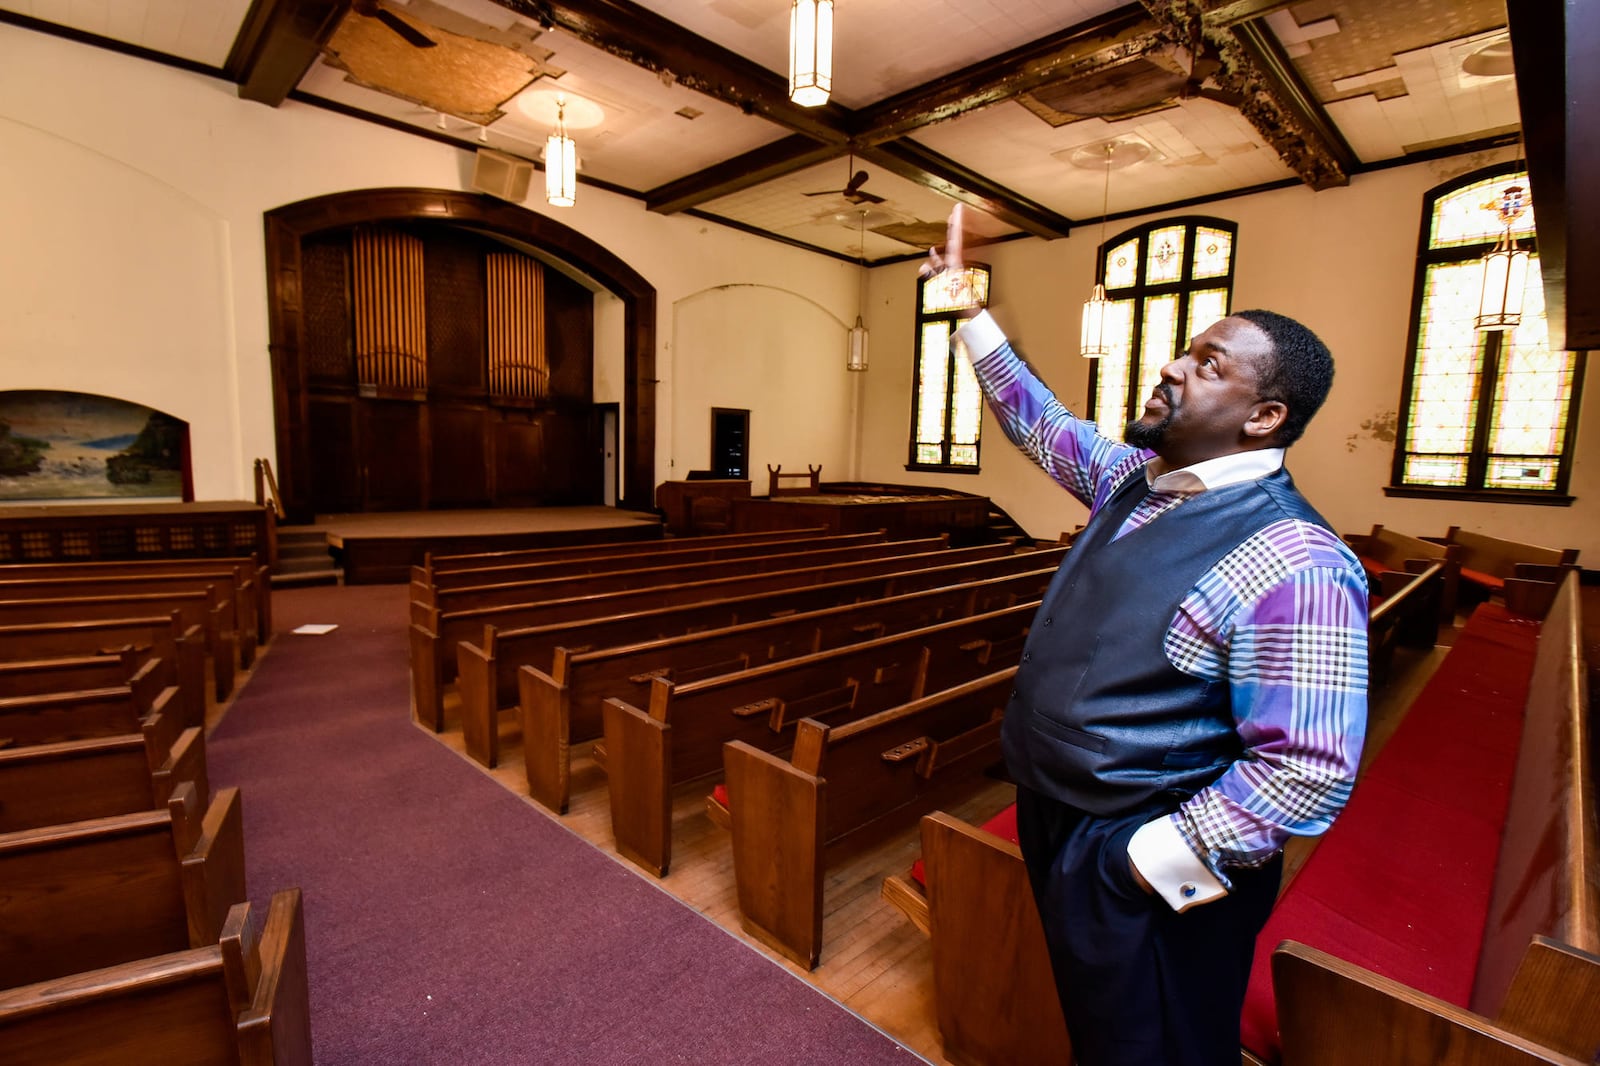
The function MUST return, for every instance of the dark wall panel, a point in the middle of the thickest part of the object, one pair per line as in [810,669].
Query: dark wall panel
[335,468]
[459,440]
[328,354]
[392,439]
[572,457]
[569,337]
[520,466]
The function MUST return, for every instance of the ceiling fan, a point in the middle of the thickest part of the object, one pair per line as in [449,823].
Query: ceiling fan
[852,189]
[374,10]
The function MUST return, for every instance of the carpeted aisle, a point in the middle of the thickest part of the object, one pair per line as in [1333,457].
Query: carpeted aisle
[449,922]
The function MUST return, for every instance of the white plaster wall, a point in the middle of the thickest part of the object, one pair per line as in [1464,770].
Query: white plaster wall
[133,260]
[1342,261]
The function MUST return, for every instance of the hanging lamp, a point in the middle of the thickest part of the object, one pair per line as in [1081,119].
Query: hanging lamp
[1504,276]
[856,359]
[560,162]
[810,52]
[1092,337]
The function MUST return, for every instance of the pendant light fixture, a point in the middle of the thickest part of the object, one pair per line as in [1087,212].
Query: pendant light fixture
[856,359]
[1092,337]
[810,52]
[560,162]
[1505,268]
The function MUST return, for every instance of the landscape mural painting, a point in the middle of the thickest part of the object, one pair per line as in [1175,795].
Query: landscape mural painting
[75,445]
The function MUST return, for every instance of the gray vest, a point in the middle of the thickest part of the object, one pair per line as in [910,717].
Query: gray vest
[1100,719]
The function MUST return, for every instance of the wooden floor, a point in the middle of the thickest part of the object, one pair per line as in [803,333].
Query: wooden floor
[873,961]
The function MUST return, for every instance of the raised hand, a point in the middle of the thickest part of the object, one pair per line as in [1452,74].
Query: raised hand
[952,257]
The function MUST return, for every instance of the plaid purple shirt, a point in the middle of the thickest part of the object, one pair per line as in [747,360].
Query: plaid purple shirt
[1282,618]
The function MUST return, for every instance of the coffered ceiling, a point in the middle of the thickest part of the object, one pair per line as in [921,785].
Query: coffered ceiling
[1006,105]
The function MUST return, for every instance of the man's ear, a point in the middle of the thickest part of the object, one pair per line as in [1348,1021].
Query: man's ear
[1265,418]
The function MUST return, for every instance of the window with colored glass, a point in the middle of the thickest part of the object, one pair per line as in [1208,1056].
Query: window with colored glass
[1165,282]
[1484,413]
[946,403]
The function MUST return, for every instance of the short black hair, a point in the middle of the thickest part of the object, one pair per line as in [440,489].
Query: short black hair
[1298,374]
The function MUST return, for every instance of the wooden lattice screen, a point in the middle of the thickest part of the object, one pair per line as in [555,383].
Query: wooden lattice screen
[518,366]
[388,301]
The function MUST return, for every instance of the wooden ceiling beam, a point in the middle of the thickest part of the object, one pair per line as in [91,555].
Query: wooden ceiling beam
[926,167]
[792,153]
[277,44]
[1561,135]
[1231,12]
[645,39]
[1112,37]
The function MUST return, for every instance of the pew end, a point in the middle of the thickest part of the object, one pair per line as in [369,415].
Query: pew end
[1334,1012]
[546,737]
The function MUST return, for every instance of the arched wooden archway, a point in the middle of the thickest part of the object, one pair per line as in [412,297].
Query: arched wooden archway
[287,228]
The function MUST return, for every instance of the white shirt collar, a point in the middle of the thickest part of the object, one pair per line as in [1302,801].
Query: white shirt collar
[1215,473]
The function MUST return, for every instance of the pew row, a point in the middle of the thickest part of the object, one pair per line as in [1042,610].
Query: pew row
[471,560]
[235,615]
[34,677]
[434,635]
[1383,888]
[563,707]
[206,608]
[179,648]
[643,557]
[85,895]
[76,780]
[1487,562]
[1384,552]
[94,712]
[1404,613]
[843,784]
[680,737]
[251,579]
[486,672]
[242,1000]
[467,597]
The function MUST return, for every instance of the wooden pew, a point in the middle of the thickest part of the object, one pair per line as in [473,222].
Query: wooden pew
[468,597]
[1536,975]
[202,608]
[435,634]
[84,895]
[179,647]
[241,1000]
[464,560]
[252,580]
[1406,614]
[1388,557]
[486,672]
[32,677]
[563,707]
[680,738]
[1486,562]
[234,615]
[54,717]
[841,783]
[641,558]
[75,780]
[1538,971]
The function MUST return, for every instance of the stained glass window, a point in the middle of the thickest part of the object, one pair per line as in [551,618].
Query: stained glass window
[1168,281]
[947,407]
[1484,412]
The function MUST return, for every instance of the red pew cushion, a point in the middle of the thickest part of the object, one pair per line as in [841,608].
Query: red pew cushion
[1002,825]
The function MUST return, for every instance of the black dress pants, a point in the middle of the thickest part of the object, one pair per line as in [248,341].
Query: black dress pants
[1140,984]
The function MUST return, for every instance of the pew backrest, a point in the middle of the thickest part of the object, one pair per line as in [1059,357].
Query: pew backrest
[1498,558]
[84,895]
[242,1000]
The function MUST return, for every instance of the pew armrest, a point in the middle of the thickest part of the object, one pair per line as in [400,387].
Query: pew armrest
[275,1029]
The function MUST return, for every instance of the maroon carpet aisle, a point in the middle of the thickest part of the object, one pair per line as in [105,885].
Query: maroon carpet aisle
[447,921]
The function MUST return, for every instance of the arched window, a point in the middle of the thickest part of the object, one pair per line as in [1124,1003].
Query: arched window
[1166,281]
[946,403]
[1484,415]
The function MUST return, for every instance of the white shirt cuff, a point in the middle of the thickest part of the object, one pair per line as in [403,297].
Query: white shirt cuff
[1163,858]
[981,336]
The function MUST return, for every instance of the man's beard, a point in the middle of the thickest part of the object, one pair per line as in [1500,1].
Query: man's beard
[1150,438]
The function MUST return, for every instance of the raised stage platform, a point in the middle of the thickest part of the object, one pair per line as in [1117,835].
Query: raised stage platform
[381,547]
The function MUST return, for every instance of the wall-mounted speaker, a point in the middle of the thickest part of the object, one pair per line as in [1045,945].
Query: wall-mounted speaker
[501,175]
